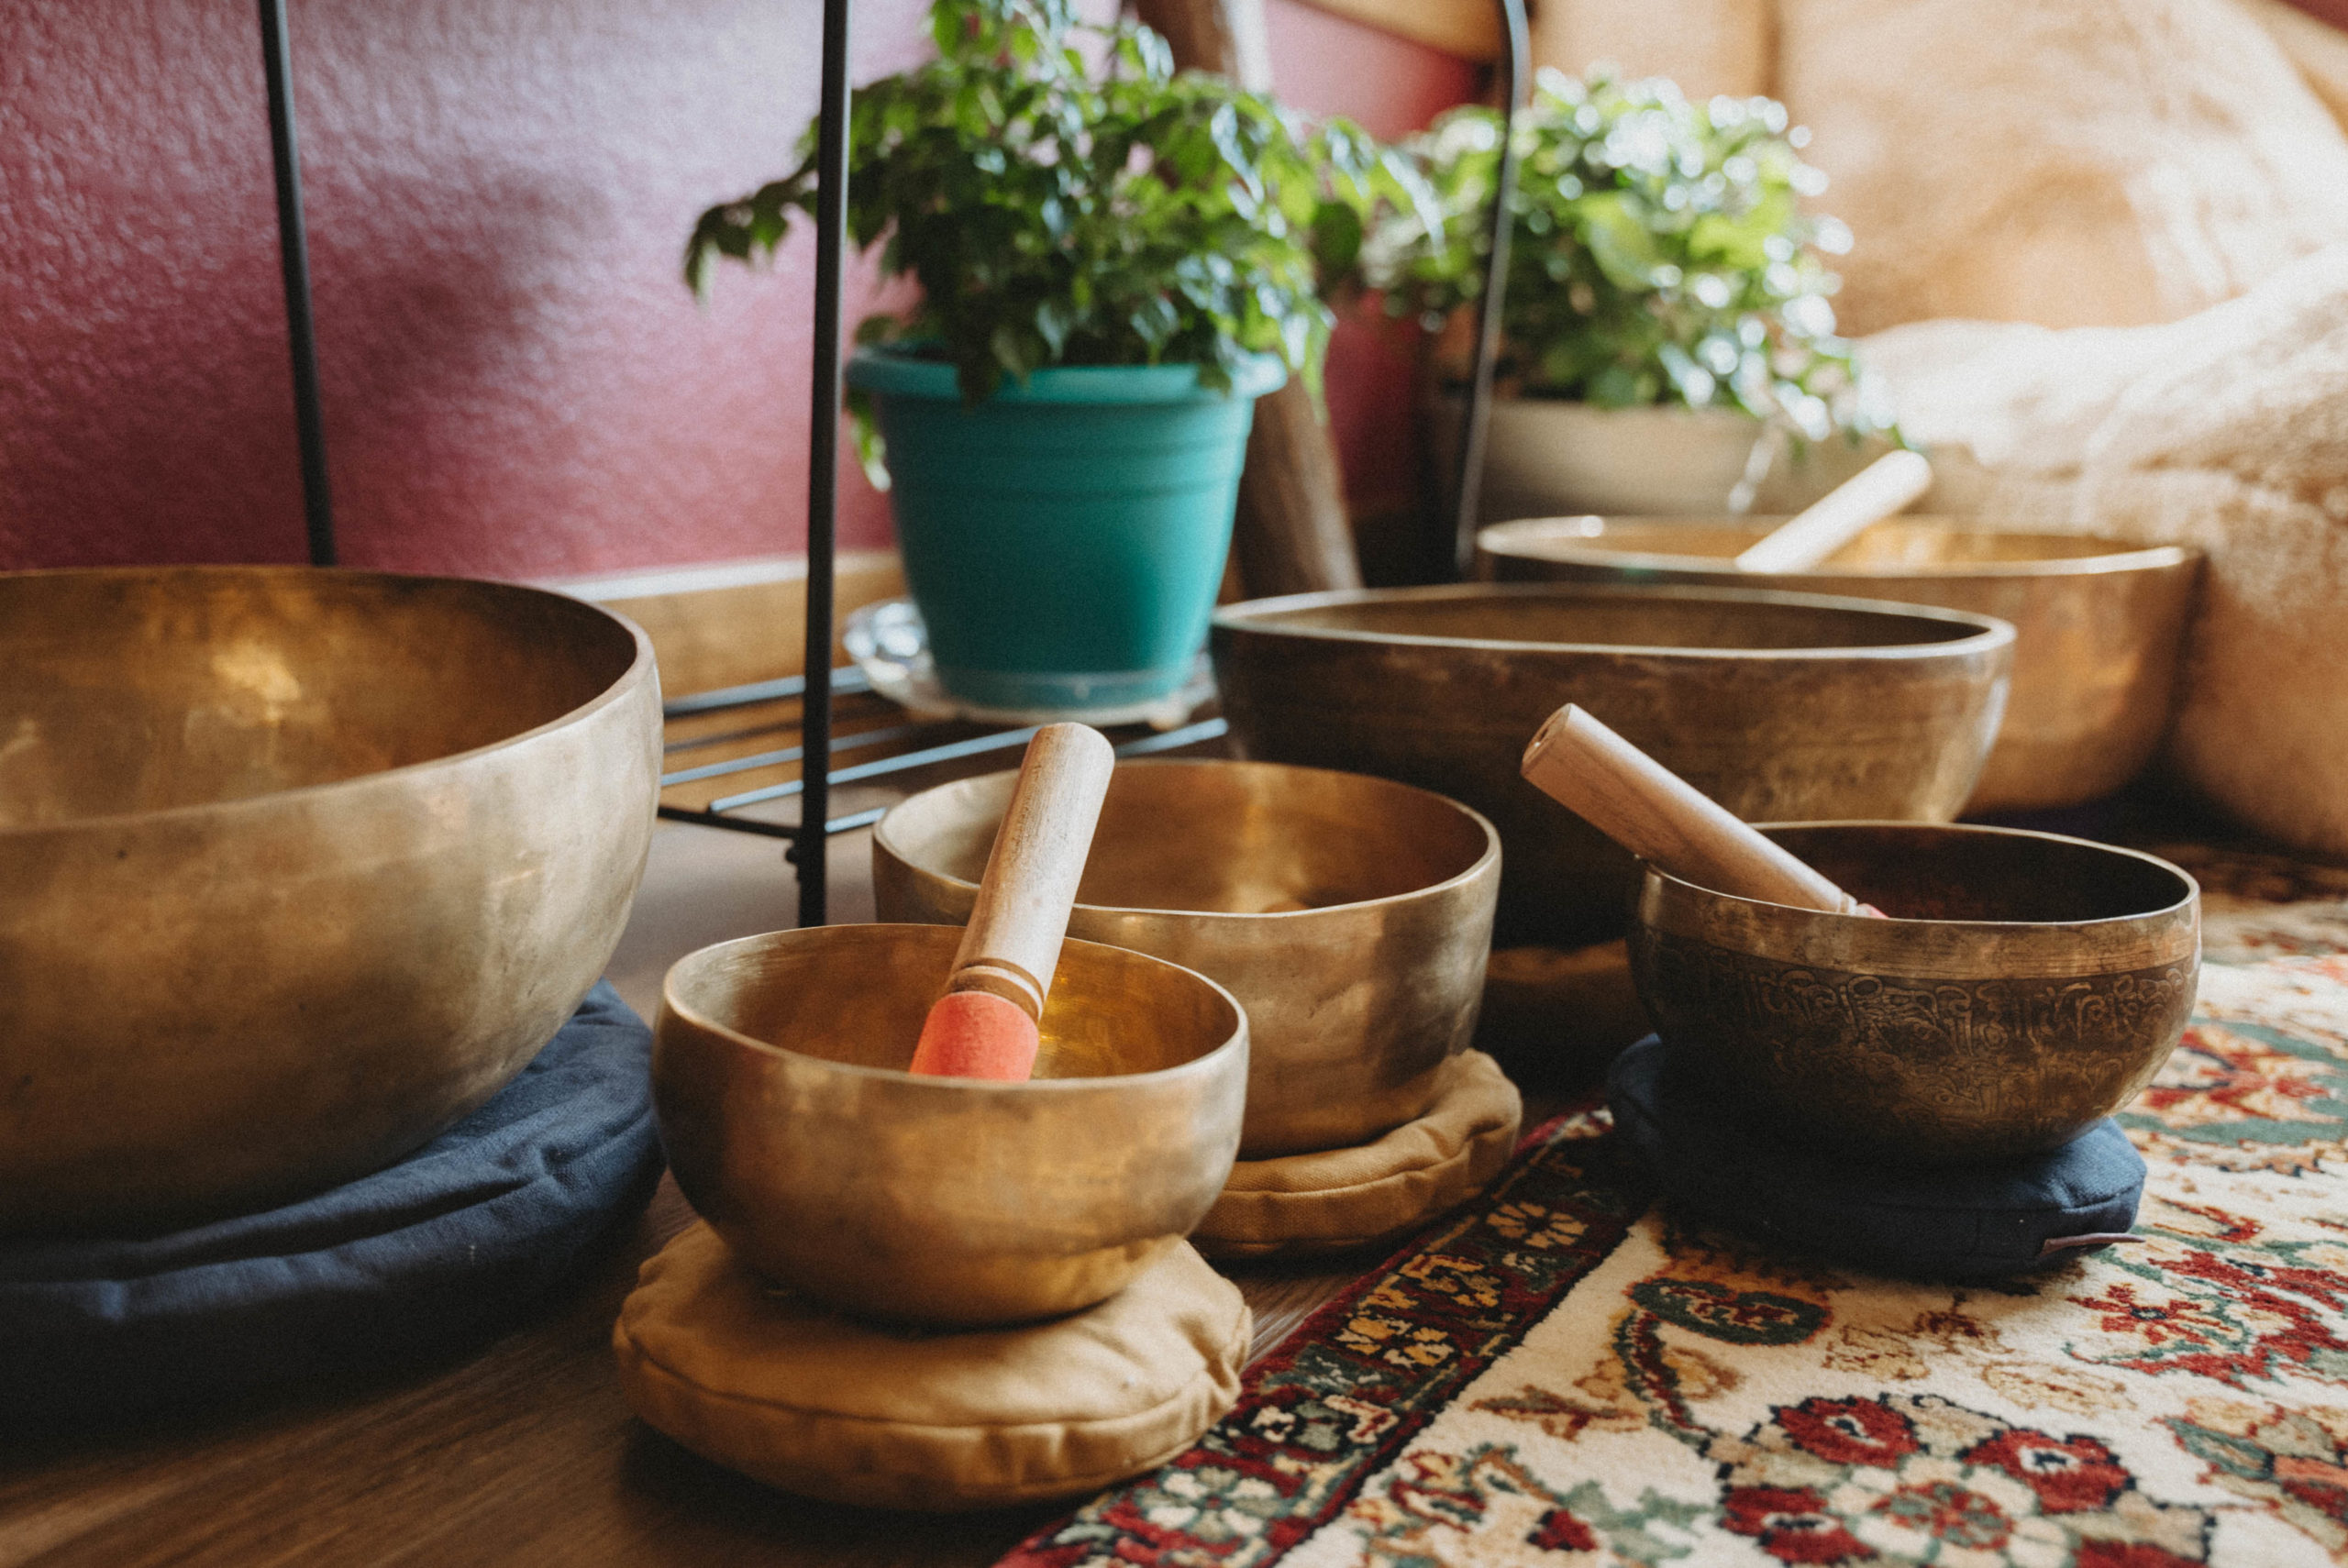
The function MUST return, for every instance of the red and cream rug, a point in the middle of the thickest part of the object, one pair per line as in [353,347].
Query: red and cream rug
[1560,1374]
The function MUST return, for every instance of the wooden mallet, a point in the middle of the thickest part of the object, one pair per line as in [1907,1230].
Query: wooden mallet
[1882,490]
[985,1025]
[1667,821]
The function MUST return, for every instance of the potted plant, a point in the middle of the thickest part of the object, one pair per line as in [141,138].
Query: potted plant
[1115,262]
[1666,302]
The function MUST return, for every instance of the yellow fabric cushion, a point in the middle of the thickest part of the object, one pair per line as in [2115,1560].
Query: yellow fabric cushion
[832,1407]
[1374,1192]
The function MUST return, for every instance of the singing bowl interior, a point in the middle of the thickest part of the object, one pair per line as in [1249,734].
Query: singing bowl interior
[793,1129]
[139,691]
[297,868]
[2098,625]
[2028,986]
[1350,915]
[1780,706]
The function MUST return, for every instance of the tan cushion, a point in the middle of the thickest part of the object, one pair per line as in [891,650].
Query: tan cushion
[2068,162]
[827,1406]
[1376,1192]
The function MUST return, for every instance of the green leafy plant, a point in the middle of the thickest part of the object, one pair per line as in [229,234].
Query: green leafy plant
[1659,254]
[1059,214]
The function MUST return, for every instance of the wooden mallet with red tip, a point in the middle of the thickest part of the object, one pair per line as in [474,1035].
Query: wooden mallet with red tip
[986,1023]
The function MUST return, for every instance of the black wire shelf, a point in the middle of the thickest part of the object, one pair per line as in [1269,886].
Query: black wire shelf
[875,724]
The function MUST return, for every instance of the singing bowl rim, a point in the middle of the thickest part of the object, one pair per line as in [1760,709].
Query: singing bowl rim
[2168,932]
[1480,866]
[1254,617]
[641,665]
[1588,549]
[1206,1064]
[1986,830]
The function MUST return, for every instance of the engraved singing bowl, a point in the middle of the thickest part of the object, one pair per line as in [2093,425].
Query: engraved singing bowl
[2098,624]
[778,1074]
[2027,987]
[297,867]
[1780,706]
[1350,915]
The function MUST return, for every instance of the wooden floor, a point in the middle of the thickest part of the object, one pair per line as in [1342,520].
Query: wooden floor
[523,1453]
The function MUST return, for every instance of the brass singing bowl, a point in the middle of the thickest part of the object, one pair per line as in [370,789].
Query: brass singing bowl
[2031,986]
[778,1074]
[1780,706]
[2098,624]
[1350,915]
[297,867]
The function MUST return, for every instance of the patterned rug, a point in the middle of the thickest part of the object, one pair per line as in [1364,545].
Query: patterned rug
[1557,1376]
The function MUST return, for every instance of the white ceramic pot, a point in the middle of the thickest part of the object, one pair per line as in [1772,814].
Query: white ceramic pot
[1547,458]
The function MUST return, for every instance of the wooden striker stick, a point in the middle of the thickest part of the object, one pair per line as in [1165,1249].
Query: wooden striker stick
[1013,943]
[1664,820]
[1885,486]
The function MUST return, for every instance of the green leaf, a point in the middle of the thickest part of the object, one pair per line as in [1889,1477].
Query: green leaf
[1056,214]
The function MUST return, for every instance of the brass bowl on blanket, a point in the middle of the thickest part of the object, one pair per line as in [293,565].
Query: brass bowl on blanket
[297,867]
[1778,705]
[2098,624]
[2026,987]
[777,1074]
[1350,915]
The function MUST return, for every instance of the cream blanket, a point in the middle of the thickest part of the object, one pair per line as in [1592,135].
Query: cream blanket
[2228,430]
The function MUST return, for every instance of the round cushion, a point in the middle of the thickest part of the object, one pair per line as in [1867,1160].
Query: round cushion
[1378,1192]
[805,1398]
[1945,1222]
[440,1250]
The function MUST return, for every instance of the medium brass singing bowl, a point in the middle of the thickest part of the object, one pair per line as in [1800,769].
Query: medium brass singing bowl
[2098,624]
[1350,915]
[778,1074]
[1780,706]
[297,867]
[2028,987]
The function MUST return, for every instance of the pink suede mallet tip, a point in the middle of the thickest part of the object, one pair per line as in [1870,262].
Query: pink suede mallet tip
[985,1025]
[977,1034]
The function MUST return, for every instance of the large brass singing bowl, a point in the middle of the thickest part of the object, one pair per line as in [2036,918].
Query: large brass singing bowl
[297,868]
[1350,915]
[1779,706]
[2027,987]
[2098,624]
[778,1072]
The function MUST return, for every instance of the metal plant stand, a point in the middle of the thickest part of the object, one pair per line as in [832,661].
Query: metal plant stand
[816,691]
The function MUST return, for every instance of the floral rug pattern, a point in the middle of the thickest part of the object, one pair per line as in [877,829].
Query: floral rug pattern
[1561,1375]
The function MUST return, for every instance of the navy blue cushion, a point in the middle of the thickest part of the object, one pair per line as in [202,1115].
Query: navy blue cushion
[438,1251]
[1958,1222]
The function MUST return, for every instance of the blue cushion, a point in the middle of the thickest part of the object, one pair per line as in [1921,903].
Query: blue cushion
[1951,1222]
[435,1253]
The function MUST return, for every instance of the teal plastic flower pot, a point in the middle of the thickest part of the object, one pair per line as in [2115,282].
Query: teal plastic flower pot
[1064,539]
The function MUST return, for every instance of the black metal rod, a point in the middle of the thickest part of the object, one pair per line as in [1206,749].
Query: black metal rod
[824,457]
[904,762]
[781,754]
[845,679]
[293,255]
[1477,415]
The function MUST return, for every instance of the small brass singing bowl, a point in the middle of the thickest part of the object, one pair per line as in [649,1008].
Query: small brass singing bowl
[778,1080]
[2027,987]
[2098,624]
[1780,706]
[1350,915]
[297,867]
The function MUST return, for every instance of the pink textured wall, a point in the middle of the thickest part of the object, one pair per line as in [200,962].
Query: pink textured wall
[515,384]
